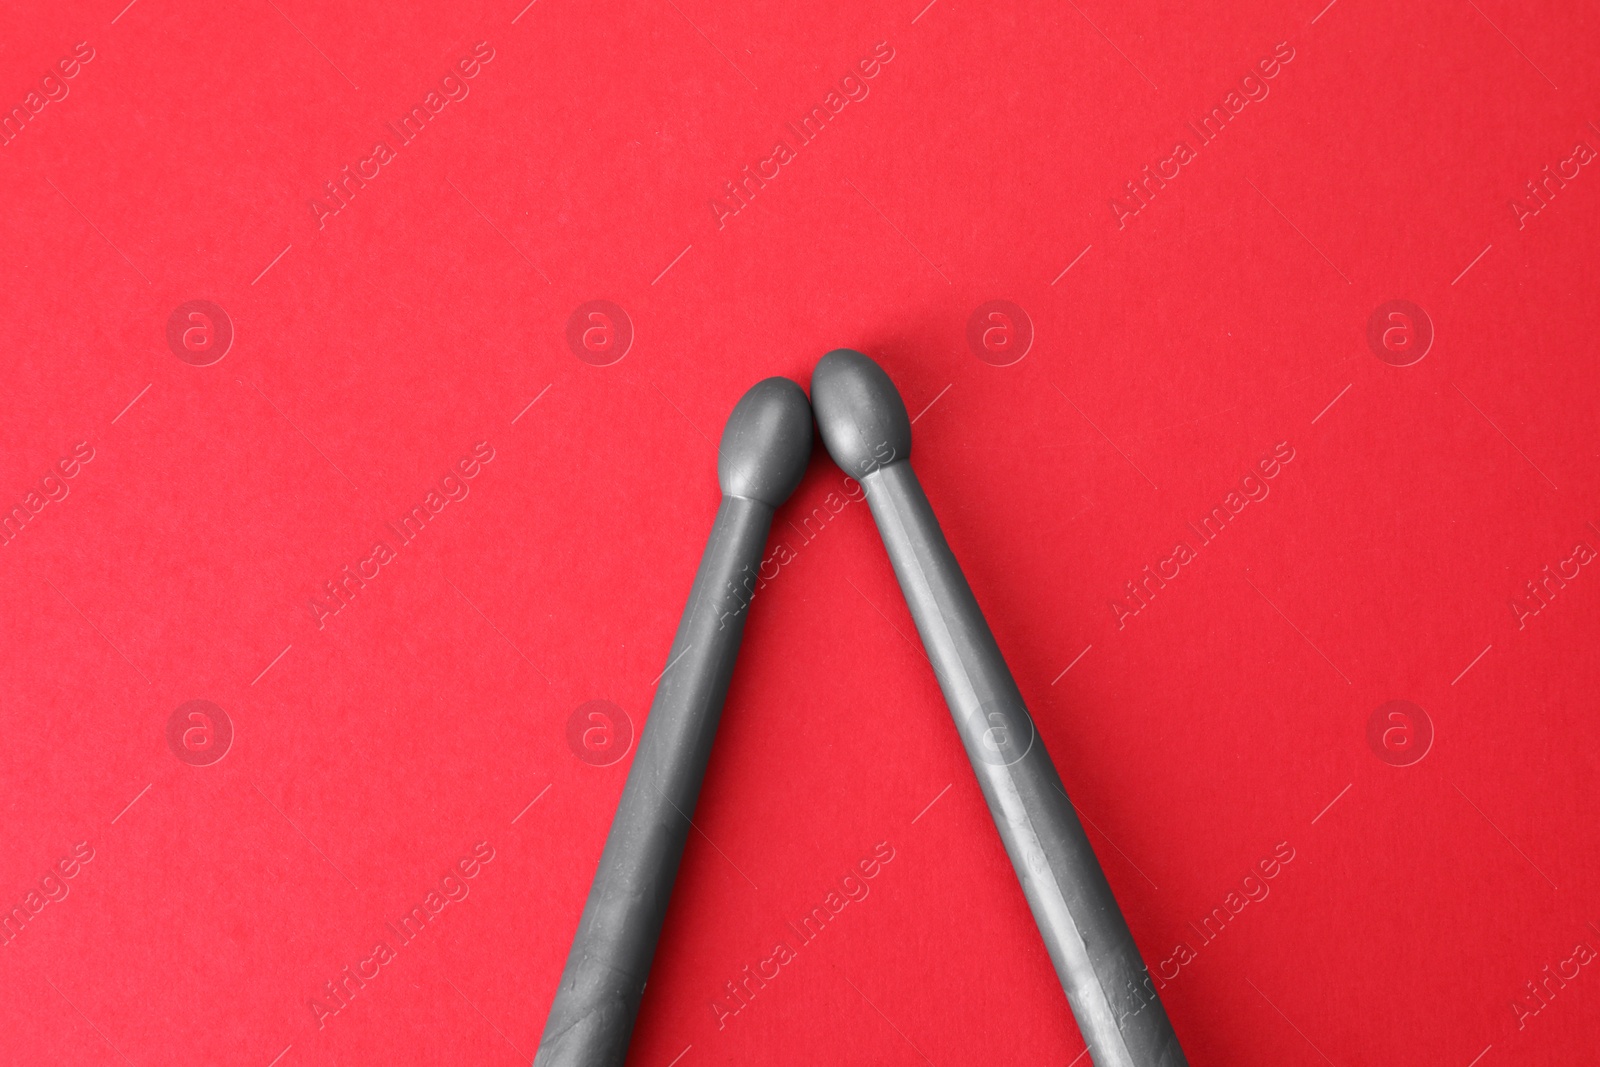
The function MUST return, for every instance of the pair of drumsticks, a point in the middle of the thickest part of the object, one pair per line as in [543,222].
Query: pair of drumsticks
[764,452]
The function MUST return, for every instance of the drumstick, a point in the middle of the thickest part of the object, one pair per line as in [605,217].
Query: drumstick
[864,426]
[765,448]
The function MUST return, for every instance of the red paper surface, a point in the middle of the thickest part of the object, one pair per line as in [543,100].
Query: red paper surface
[433,318]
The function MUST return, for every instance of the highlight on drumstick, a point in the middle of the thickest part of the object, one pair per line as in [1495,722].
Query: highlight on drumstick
[865,428]
[764,451]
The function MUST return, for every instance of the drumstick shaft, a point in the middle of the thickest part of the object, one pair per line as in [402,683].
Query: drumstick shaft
[592,1017]
[1111,994]
[763,455]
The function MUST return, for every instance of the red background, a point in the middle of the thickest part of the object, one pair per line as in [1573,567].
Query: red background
[372,752]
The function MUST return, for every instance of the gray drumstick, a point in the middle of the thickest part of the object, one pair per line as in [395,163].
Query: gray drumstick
[864,426]
[765,448]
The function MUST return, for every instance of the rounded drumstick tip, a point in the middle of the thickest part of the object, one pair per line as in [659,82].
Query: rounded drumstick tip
[767,443]
[859,411]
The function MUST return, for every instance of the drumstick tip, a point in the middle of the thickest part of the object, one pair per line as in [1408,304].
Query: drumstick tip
[860,413]
[766,444]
